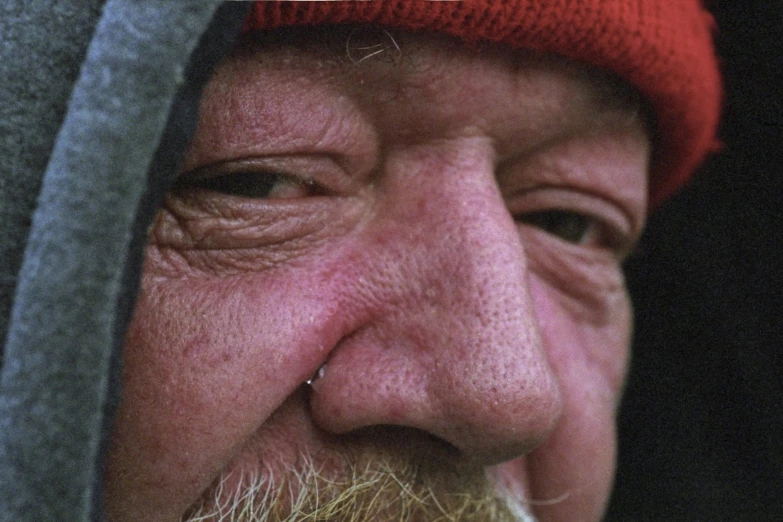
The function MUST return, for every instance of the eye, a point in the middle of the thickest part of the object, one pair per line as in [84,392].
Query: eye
[571,227]
[253,184]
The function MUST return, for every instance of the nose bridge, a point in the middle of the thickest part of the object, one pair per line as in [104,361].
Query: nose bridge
[461,252]
[466,235]
[455,343]
[447,205]
[490,374]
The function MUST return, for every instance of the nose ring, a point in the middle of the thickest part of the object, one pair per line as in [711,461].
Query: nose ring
[317,375]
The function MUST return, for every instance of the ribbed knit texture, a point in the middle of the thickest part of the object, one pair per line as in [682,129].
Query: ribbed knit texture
[662,47]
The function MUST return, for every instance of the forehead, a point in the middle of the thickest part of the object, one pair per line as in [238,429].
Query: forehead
[351,45]
[386,70]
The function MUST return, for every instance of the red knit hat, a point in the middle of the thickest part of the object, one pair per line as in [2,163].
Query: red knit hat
[662,47]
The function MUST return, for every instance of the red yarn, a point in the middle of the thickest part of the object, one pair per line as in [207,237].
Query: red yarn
[662,47]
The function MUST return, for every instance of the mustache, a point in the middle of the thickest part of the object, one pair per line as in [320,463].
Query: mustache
[378,489]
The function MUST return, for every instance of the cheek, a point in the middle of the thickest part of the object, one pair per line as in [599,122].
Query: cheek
[587,352]
[207,360]
[590,361]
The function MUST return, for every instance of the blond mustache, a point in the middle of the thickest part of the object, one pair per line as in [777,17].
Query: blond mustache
[382,490]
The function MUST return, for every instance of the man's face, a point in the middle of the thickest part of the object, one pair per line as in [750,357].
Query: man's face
[431,236]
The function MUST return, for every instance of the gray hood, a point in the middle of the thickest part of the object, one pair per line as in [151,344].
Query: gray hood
[97,105]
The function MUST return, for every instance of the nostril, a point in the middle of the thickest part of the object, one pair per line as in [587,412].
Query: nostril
[402,440]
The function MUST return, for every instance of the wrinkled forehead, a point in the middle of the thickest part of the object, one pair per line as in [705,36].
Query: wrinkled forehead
[276,84]
[405,63]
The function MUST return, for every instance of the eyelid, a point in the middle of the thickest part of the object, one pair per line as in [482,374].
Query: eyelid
[567,199]
[308,169]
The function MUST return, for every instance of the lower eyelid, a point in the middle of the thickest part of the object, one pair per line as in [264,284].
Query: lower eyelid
[587,284]
[235,224]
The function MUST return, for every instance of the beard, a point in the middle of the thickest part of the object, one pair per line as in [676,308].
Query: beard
[377,488]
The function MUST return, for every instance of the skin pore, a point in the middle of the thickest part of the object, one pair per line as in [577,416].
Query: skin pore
[433,237]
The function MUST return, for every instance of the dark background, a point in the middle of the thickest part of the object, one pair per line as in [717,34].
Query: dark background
[701,427]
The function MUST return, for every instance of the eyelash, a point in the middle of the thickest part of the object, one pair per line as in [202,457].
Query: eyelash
[255,185]
[578,228]
[567,225]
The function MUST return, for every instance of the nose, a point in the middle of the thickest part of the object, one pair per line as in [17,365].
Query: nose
[448,342]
